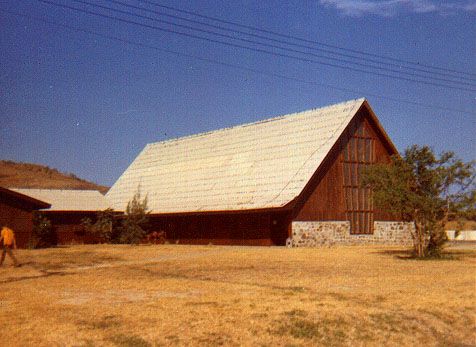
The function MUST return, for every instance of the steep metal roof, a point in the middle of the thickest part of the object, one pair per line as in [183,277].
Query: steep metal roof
[68,200]
[252,166]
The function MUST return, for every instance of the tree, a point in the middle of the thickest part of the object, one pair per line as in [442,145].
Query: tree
[135,219]
[426,190]
[104,226]
[43,234]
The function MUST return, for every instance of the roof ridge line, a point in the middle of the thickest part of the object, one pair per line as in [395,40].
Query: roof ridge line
[267,120]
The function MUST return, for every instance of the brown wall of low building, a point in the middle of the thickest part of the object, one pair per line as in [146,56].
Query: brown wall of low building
[258,229]
[19,219]
[68,229]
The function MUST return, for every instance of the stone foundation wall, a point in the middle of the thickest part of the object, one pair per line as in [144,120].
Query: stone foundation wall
[396,233]
[312,234]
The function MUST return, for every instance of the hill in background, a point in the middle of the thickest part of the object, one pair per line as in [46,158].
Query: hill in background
[26,175]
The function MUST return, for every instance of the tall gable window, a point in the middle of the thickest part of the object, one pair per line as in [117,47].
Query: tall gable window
[358,153]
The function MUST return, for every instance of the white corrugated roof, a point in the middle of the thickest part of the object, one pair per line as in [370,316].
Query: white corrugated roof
[68,200]
[252,166]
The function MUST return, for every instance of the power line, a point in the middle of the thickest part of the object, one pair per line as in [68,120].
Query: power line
[234,66]
[289,44]
[291,50]
[219,20]
[259,50]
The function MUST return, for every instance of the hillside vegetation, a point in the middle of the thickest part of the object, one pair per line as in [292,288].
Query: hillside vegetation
[26,175]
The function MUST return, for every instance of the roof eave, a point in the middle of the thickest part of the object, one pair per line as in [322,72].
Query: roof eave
[76,211]
[38,204]
[254,210]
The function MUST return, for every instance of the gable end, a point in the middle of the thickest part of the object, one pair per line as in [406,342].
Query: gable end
[324,197]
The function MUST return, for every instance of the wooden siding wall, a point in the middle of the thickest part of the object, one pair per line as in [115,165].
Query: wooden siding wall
[323,198]
[258,229]
[19,219]
[68,229]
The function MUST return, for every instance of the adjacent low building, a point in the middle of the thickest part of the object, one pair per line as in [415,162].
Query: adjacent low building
[292,178]
[68,208]
[16,211]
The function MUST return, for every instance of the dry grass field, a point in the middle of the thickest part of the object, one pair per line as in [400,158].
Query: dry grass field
[209,295]
[26,175]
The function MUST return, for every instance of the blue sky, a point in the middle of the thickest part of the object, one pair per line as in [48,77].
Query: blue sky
[86,104]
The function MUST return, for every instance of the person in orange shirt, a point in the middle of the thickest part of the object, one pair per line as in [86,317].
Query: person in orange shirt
[8,237]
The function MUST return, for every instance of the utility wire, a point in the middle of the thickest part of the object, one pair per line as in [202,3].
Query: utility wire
[234,66]
[219,20]
[246,47]
[399,71]
[352,56]
[279,47]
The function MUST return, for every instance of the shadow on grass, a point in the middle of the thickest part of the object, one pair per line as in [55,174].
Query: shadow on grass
[57,262]
[181,276]
[448,254]
[33,277]
[405,254]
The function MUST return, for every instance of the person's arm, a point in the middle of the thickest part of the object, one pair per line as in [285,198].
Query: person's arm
[14,242]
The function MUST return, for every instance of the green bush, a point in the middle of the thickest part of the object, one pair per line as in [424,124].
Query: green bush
[135,220]
[103,228]
[43,234]
[424,189]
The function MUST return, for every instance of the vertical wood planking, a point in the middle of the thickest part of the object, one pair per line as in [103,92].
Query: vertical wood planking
[334,192]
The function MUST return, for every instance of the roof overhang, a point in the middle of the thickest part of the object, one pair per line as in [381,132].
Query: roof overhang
[30,202]
[46,211]
[380,128]
[285,208]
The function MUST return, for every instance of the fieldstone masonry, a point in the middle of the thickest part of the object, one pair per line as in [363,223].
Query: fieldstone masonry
[312,234]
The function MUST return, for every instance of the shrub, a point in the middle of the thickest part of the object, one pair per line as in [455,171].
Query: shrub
[43,234]
[103,228]
[424,189]
[156,237]
[134,221]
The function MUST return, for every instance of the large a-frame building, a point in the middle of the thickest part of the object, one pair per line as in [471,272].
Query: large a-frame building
[291,178]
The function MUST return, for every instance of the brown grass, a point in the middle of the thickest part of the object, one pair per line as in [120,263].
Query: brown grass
[26,175]
[461,224]
[209,295]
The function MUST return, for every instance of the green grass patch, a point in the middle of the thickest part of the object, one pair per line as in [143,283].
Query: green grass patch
[330,330]
[296,313]
[102,324]
[303,329]
[215,339]
[202,303]
[123,340]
